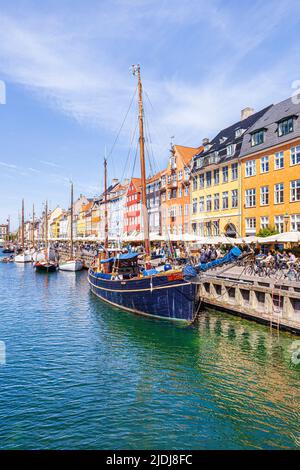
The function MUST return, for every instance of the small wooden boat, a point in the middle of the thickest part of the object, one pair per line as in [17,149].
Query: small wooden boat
[23,258]
[45,266]
[72,264]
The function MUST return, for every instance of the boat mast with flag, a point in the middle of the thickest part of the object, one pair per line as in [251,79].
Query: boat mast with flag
[123,281]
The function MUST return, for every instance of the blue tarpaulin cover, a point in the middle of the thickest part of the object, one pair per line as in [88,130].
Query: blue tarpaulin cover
[233,254]
[149,272]
[123,257]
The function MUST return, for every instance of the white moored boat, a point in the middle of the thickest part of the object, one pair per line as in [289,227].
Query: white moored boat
[71,265]
[23,258]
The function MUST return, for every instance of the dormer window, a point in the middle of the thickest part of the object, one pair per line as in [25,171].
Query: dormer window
[239,132]
[285,126]
[223,139]
[207,147]
[258,137]
[230,150]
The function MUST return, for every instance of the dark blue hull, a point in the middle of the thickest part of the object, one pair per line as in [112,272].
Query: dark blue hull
[165,297]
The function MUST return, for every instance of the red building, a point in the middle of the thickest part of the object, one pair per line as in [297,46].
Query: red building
[133,209]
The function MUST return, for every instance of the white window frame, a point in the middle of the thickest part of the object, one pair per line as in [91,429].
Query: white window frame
[250,169]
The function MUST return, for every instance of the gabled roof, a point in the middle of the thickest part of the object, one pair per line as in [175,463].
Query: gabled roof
[269,122]
[187,153]
[137,182]
[218,145]
[155,177]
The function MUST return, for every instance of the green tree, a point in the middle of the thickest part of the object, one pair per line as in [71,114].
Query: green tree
[266,232]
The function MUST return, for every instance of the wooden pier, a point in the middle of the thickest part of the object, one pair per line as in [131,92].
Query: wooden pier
[276,303]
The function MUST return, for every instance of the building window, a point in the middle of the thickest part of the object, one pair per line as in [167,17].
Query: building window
[295,155]
[234,171]
[180,192]
[163,180]
[279,193]
[201,229]
[295,190]
[179,175]
[216,227]
[216,202]
[201,180]
[169,179]
[264,195]
[195,205]
[295,223]
[251,197]
[264,222]
[208,178]
[208,229]
[230,150]
[279,160]
[279,219]
[257,138]
[285,127]
[250,168]
[169,195]
[208,204]
[251,224]
[201,204]
[217,176]
[225,174]
[195,183]
[234,198]
[186,190]
[179,210]
[225,200]
[264,164]
[194,228]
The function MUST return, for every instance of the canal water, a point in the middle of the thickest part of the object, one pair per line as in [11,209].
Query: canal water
[79,374]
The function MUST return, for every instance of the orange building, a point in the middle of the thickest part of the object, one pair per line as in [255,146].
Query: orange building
[175,191]
[270,158]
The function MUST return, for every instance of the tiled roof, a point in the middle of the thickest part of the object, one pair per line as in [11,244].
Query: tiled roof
[187,153]
[269,121]
[218,145]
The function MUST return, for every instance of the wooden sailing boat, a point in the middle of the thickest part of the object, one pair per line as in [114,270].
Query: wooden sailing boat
[23,257]
[73,263]
[165,295]
[46,264]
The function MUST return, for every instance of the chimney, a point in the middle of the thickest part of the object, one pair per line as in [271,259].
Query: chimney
[205,141]
[246,112]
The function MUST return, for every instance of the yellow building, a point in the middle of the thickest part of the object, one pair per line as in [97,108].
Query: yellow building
[216,181]
[84,220]
[270,158]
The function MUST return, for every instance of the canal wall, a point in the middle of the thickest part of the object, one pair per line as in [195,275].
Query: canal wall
[262,300]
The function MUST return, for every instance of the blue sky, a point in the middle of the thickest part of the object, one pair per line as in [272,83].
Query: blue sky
[65,64]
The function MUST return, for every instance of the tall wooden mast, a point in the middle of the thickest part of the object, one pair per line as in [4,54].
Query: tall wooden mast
[33,223]
[137,71]
[72,217]
[46,230]
[105,206]
[22,227]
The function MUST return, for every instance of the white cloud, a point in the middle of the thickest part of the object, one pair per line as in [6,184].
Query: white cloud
[70,62]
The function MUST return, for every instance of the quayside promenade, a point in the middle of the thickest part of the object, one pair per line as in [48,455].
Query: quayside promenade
[264,299]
